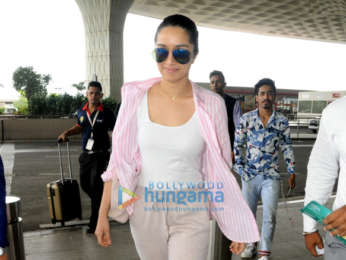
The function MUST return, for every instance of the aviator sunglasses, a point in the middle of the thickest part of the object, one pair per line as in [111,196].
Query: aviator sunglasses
[180,55]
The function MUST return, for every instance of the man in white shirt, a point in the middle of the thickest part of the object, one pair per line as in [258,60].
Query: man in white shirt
[328,162]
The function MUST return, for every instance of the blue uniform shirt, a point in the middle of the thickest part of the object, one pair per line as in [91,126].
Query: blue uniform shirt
[105,122]
[3,218]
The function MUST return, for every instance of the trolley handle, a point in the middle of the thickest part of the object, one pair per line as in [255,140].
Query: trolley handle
[59,141]
[60,162]
[69,158]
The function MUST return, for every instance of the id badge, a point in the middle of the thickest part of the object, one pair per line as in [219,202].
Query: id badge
[90,144]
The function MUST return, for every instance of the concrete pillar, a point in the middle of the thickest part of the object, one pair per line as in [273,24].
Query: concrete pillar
[104,24]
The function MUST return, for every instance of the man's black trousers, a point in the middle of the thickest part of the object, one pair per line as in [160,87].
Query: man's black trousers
[91,168]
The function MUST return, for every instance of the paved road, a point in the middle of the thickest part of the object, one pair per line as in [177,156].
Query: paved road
[31,165]
[76,244]
[34,165]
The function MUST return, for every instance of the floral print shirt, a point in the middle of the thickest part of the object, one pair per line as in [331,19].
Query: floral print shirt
[256,148]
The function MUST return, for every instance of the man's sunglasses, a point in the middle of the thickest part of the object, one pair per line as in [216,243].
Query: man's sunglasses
[180,55]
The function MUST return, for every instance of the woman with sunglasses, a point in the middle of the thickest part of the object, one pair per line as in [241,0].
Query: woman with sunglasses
[171,138]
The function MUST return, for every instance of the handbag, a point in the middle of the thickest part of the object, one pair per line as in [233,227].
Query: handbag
[115,213]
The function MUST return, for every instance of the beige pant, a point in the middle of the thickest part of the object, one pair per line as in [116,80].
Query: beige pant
[170,231]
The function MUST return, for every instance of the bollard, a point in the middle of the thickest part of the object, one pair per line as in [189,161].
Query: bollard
[14,228]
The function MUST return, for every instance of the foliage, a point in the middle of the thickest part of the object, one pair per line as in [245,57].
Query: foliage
[79,86]
[111,104]
[22,106]
[55,105]
[77,102]
[37,106]
[2,110]
[58,105]
[30,83]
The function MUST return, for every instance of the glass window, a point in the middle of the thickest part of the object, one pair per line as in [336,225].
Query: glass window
[304,106]
[318,106]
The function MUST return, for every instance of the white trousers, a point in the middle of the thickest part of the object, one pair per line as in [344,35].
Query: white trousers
[169,230]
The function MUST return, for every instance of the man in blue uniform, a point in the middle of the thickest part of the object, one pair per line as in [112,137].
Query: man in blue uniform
[3,218]
[94,122]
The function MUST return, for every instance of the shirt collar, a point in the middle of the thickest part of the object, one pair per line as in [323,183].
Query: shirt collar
[270,118]
[86,108]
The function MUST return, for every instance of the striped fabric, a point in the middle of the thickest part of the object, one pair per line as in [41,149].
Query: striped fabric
[235,220]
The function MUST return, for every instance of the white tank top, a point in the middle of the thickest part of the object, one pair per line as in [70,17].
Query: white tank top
[171,155]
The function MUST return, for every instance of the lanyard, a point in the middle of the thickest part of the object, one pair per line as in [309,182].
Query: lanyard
[92,123]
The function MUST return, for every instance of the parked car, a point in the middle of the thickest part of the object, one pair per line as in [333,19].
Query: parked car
[314,125]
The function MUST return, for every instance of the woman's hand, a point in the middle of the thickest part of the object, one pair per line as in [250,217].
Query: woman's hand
[102,232]
[236,247]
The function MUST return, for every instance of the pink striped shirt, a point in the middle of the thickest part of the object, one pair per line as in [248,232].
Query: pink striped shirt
[236,220]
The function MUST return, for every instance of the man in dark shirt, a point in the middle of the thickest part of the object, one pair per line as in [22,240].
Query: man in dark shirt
[217,84]
[94,122]
[3,218]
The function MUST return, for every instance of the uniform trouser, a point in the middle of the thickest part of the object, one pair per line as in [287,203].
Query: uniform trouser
[91,168]
[162,232]
[334,249]
[268,190]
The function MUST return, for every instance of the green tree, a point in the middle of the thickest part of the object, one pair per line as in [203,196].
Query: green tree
[30,83]
[79,86]
[22,106]
[37,106]
[111,104]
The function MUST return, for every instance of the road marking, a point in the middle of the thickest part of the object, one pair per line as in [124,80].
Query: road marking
[49,174]
[302,145]
[299,201]
[63,156]
[42,150]
[7,152]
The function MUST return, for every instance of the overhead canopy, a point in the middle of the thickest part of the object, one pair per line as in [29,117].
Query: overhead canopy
[321,20]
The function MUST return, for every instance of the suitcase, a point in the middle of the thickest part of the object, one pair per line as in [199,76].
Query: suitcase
[63,195]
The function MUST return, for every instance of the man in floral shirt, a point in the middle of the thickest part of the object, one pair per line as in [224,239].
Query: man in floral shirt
[259,136]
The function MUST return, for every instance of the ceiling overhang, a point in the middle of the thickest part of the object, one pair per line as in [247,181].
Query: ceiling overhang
[320,20]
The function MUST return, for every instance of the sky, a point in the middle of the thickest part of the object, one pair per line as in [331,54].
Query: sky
[49,35]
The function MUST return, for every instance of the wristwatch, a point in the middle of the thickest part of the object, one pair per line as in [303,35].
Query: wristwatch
[2,251]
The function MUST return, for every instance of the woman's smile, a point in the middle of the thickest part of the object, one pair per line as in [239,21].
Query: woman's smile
[170,69]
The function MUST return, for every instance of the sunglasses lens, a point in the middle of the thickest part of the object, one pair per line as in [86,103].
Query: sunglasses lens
[161,54]
[181,55]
